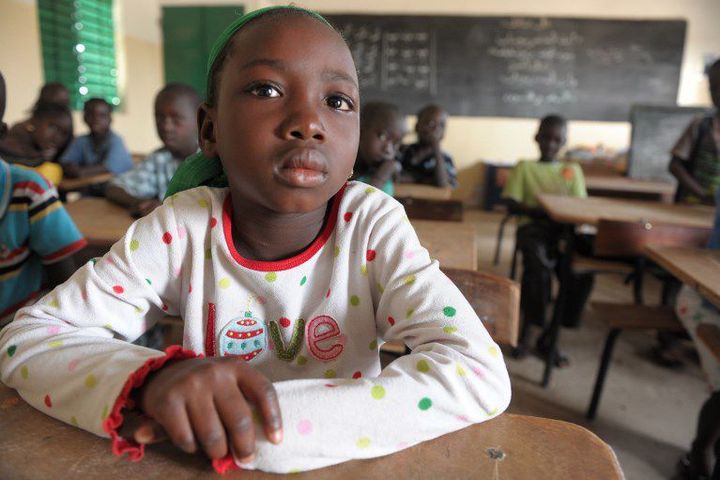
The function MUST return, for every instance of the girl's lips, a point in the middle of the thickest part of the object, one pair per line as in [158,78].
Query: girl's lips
[303,168]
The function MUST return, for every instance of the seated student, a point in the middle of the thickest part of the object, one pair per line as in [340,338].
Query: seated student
[288,278]
[38,143]
[143,188]
[37,236]
[696,155]
[692,310]
[382,128]
[424,161]
[537,236]
[101,150]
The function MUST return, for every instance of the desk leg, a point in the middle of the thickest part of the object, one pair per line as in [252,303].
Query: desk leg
[565,279]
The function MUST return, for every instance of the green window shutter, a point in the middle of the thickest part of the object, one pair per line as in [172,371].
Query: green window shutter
[188,35]
[78,48]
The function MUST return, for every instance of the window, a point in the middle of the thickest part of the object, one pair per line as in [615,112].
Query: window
[78,48]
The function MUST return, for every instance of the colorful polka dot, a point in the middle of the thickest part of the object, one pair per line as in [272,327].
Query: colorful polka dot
[202,203]
[54,303]
[73,364]
[380,288]
[357,375]
[11,350]
[90,381]
[208,254]
[493,351]
[167,238]
[460,371]
[363,442]
[134,245]
[373,345]
[148,281]
[165,307]
[347,216]
[449,329]
[391,321]
[270,277]
[104,413]
[284,322]
[190,288]
[377,392]
[330,373]
[327,295]
[303,280]
[363,270]
[354,300]
[304,427]
[24,372]
[409,313]
[425,404]
[53,329]
[369,190]
[409,280]
[337,251]
[118,289]
[301,360]
[422,366]
[370,255]
[74,422]
[55,344]
[449,311]
[138,310]
[224,282]
[493,412]
[48,401]
[213,222]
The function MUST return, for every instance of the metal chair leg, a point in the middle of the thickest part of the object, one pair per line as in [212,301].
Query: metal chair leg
[602,373]
[513,265]
[498,243]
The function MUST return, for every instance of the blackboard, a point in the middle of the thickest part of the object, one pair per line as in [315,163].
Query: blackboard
[585,69]
[655,130]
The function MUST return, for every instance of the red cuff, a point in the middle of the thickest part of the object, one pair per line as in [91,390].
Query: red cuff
[113,421]
[225,464]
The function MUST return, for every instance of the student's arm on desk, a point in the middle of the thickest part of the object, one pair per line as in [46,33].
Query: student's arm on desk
[686,180]
[454,377]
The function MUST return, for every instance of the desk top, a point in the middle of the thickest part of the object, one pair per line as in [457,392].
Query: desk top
[452,244]
[627,184]
[33,445]
[101,222]
[70,184]
[697,267]
[416,190]
[590,210]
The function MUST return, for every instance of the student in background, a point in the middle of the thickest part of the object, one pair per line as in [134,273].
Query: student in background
[38,144]
[424,161]
[696,155]
[382,128]
[143,188]
[101,150]
[37,236]
[281,249]
[538,236]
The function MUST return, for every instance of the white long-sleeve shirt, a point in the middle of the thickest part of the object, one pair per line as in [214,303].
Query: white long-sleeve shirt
[312,324]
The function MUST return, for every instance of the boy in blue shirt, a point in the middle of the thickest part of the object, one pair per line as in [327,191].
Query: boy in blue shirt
[37,235]
[101,150]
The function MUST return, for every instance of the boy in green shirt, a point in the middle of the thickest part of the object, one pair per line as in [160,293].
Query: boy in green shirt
[537,236]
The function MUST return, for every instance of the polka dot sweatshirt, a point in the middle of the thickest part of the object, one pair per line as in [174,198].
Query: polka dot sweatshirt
[313,324]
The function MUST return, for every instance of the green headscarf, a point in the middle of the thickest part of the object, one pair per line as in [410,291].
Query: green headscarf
[197,169]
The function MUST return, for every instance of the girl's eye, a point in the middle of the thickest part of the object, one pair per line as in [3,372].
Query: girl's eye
[265,91]
[339,103]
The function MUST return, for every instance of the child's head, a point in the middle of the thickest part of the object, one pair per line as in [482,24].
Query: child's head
[176,118]
[51,126]
[54,92]
[714,82]
[430,126]
[3,125]
[282,110]
[98,116]
[551,137]
[382,128]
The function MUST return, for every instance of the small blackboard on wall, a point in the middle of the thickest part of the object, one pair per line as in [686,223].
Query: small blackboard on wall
[655,130]
[586,69]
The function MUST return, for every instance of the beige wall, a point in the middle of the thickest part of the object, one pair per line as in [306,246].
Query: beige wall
[468,139]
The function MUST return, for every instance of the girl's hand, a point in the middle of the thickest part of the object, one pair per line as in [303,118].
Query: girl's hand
[205,402]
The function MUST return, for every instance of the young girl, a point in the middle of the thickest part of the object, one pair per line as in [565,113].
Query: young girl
[288,280]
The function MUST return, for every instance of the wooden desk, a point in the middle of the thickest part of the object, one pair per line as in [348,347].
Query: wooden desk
[565,209]
[624,187]
[698,268]
[72,184]
[452,244]
[440,210]
[417,190]
[101,222]
[33,445]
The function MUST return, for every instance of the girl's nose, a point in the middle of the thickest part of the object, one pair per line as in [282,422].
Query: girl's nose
[304,123]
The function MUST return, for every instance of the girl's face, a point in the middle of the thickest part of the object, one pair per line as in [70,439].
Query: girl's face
[286,123]
[51,131]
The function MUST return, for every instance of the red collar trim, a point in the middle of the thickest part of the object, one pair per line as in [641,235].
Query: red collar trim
[287,263]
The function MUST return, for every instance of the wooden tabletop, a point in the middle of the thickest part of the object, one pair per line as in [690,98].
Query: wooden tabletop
[615,185]
[70,184]
[33,445]
[101,222]
[417,190]
[452,244]
[698,268]
[590,210]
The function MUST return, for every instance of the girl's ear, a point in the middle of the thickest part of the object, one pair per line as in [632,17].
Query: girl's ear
[206,130]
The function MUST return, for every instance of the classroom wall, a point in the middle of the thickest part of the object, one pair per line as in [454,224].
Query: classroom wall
[469,139]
